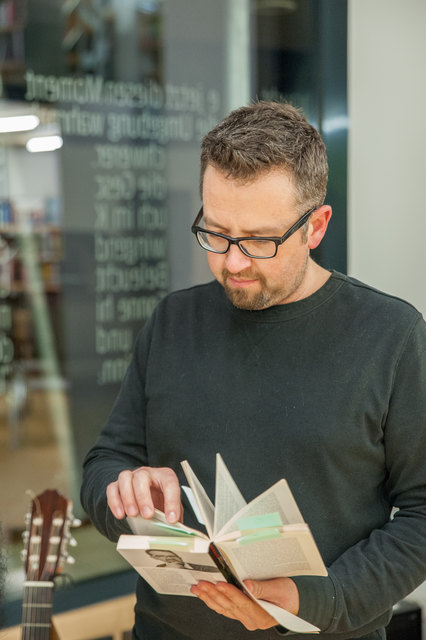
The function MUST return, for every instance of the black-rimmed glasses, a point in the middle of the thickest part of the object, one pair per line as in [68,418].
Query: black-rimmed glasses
[259,247]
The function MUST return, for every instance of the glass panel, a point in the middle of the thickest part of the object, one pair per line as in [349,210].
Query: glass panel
[95,231]
[89,239]
[288,54]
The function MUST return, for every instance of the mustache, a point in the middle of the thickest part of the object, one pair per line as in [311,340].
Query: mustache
[247,274]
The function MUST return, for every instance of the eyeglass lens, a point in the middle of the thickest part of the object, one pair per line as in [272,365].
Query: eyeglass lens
[256,248]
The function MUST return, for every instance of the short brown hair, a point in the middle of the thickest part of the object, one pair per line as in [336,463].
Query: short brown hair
[256,138]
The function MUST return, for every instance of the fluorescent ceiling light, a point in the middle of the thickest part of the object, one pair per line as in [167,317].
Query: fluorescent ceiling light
[9,124]
[44,143]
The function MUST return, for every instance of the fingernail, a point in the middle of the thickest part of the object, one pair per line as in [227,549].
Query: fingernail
[172,517]
[147,512]
[119,513]
[133,511]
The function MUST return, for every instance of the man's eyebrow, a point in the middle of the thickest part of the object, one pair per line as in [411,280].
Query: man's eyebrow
[261,231]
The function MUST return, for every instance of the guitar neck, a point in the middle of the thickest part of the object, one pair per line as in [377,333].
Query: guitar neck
[37,610]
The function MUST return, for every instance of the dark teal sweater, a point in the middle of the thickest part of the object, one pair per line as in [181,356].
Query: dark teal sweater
[329,393]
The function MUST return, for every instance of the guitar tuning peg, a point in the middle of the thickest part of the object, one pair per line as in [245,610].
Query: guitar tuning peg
[58,522]
[23,554]
[25,535]
[72,541]
[69,559]
[76,522]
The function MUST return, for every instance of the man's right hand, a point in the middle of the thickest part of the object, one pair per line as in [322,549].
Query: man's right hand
[140,491]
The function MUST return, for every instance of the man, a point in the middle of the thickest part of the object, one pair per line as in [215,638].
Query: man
[173,561]
[289,371]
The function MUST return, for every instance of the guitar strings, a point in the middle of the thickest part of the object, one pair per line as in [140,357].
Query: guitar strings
[45,551]
[37,612]
[37,596]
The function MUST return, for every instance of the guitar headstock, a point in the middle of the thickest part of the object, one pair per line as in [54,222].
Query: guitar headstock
[47,536]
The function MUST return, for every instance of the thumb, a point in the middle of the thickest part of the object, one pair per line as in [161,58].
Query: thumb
[256,588]
[280,591]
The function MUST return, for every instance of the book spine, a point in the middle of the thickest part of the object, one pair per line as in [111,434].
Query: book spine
[228,574]
[223,566]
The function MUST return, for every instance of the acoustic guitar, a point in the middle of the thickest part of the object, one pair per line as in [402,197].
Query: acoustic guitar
[46,538]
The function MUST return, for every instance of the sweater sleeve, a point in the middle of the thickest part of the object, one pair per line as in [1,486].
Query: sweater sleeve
[371,576]
[121,444]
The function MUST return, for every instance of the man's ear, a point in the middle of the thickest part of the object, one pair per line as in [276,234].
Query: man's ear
[318,224]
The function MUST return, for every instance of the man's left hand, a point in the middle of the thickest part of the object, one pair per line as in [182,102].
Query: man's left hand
[229,601]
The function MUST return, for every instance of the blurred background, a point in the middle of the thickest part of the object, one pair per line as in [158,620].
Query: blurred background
[103,104]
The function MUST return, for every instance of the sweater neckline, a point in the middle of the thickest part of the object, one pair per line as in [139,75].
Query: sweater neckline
[291,310]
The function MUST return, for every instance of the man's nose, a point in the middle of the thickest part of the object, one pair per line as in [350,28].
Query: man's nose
[236,260]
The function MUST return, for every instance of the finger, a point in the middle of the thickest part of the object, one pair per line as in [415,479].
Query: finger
[114,500]
[169,483]
[248,612]
[143,484]
[125,482]
[280,591]
[232,603]
[157,487]
[224,598]
[214,599]
[234,595]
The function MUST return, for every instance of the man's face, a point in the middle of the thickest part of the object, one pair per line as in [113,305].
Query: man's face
[264,206]
[168,557]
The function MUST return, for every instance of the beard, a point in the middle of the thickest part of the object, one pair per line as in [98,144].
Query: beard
[267,296]
[243,299]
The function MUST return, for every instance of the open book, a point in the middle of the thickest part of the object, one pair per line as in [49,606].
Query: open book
[266,538]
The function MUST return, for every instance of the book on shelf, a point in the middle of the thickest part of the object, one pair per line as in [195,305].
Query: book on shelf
[260,540]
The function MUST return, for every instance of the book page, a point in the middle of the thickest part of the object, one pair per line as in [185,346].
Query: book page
[288,551]
[204,502]
[169,568]
[228,498]
[194,505]
[287,619]
[159,526]
[277,499]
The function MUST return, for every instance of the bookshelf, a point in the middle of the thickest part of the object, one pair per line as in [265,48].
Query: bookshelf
[30,261]
[36,235]
[13,15]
